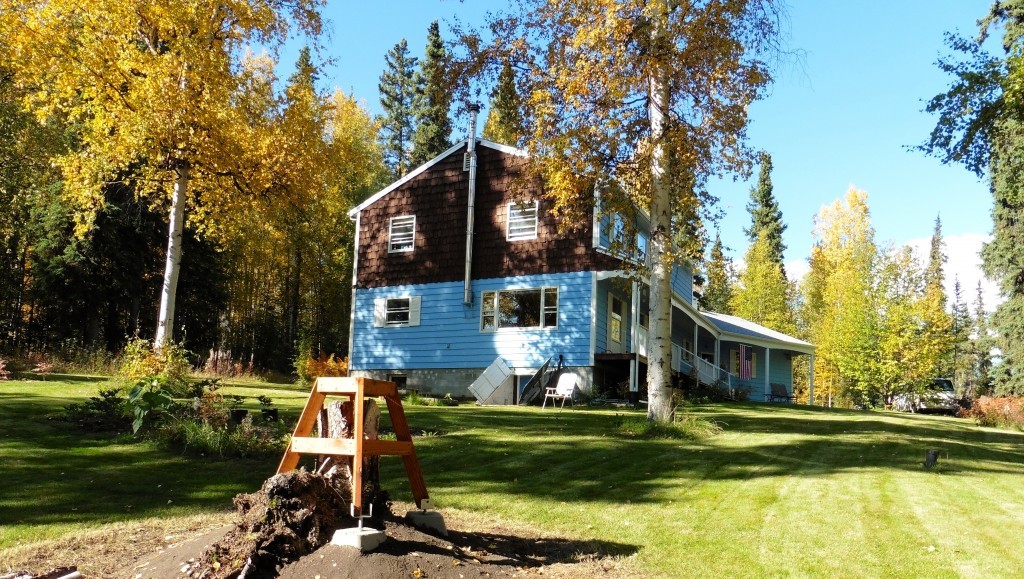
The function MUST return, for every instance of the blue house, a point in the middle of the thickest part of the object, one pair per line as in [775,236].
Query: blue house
[463,283]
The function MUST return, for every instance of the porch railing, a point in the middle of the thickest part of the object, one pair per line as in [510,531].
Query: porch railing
[707,372]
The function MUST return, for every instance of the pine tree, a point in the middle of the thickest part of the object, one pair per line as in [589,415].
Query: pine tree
[934,277]
[433,127]
[961,365]
[398,99]
[765,215]
[937,338]
[504,119]
[981,348]
[980,126]
[718,291]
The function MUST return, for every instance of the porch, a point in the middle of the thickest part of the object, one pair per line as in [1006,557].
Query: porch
[707,348]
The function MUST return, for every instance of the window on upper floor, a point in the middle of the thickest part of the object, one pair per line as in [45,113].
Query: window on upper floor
[624,240]
[402,234]
[519,308]
[522,221]
[396,312]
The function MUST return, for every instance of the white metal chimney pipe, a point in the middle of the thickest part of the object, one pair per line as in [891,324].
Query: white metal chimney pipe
[474,109]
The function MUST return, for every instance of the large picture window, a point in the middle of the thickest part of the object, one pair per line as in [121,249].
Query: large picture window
[519,308]
[522,221]
[402,234]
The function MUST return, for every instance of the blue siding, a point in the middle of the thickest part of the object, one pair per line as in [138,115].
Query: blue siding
[682,282]
[604,287]
[449,333]
[781,370]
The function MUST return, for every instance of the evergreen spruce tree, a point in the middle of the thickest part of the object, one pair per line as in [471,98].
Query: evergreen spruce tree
[981,348]
[504,119]
[398,99]
[718,291]
[937,337]
[1003,257]
[934,278]
[980,126]
[434,98]
[765,215]
[961,369]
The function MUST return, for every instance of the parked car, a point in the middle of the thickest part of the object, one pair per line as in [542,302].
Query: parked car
[940,398]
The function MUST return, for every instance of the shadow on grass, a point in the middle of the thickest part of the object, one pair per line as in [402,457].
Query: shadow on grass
[580,456]
[54,474]
[33,377]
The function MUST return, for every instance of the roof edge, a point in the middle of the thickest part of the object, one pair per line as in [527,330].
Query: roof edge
[425,166]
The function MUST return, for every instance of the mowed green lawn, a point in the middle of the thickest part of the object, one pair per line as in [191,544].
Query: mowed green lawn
[784,490]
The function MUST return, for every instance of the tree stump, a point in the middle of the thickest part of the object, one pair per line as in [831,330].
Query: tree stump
[296,512]
[336,421]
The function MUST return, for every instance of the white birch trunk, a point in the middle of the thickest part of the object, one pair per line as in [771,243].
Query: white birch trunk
[165,324]
[659,346]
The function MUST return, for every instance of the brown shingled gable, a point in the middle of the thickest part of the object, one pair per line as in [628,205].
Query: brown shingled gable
[437,198]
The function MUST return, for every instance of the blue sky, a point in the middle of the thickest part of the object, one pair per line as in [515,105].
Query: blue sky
[844,114]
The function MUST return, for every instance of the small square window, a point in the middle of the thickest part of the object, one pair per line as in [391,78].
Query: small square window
[522,221]
[397,312]
[402,234]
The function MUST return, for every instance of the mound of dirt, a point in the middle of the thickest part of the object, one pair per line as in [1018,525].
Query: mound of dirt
[409,552]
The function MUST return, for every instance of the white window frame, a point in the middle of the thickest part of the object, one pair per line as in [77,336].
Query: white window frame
[384,307]
[490,299]
[404,242]
[520,224]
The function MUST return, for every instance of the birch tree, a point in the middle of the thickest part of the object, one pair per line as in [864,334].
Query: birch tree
[651,94]
[838,305]
[151,86]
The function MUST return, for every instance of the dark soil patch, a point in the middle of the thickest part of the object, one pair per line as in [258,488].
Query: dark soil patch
[409,552]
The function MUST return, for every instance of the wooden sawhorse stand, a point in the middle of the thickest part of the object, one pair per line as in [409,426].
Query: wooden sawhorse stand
[357,389]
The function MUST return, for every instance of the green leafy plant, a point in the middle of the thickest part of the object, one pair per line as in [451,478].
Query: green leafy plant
[147,399]
[264,400]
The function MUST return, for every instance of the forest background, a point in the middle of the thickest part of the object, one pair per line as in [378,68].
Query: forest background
[266,273]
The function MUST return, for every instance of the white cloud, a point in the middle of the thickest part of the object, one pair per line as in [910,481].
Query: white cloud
[796,269]
[963,263]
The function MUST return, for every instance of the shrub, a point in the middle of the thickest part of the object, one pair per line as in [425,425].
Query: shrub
[107,412]
[1005,412]
[140,361]
[309,368]
[247,439]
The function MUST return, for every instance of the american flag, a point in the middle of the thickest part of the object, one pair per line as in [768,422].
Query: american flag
[746,362]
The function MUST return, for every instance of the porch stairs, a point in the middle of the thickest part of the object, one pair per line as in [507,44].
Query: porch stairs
[683,362]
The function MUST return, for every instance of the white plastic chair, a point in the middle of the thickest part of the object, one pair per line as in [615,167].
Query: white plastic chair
[565,389]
